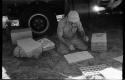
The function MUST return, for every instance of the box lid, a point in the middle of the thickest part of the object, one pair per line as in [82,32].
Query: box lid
[28,44]
[99,37]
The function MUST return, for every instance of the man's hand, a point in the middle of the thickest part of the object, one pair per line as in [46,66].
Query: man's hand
[82,32]
[86,38]
[71,47]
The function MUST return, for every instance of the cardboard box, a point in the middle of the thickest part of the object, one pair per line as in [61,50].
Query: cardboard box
[46,44]
[99,42]
[20,34]
[30,46]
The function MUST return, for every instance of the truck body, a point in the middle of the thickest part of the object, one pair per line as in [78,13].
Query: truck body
[40,15]
[13,6]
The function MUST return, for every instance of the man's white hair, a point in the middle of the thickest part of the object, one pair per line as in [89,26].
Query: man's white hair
[73,16]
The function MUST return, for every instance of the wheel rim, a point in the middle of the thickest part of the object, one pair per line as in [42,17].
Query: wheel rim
[38,23]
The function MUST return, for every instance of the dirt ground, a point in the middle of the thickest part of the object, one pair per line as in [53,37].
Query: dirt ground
[50,63]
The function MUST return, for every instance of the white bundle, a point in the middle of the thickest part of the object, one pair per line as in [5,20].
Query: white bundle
[94,76]
[4,21]
[18,52]
[46,44]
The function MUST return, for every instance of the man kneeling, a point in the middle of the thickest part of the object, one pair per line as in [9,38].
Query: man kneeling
[67,31]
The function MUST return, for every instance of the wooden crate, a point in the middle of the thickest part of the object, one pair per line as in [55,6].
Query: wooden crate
[20,34]
[99,42]
[30,46]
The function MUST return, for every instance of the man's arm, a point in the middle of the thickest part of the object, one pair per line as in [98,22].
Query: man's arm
[82,31]
[60,32]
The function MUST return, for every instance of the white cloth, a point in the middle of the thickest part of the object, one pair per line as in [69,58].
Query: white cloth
[4,74]
[4,21]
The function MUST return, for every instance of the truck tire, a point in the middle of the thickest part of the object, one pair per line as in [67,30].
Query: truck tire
[42,21]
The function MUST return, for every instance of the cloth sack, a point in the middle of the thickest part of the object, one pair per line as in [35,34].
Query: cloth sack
[18,52]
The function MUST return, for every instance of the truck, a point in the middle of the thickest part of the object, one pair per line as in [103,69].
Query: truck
[41,15]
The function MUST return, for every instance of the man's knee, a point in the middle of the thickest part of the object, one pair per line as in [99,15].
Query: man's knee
[82,46]
[62,49]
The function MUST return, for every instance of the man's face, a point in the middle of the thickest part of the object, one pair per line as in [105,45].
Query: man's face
[74,24]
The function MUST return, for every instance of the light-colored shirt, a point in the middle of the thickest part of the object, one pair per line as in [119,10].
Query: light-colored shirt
[66,30]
